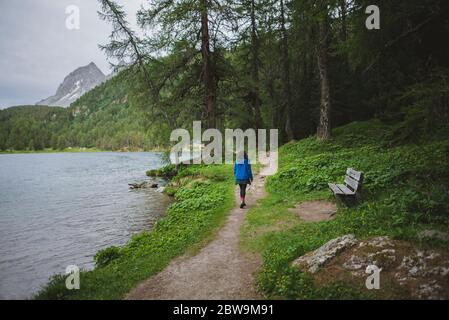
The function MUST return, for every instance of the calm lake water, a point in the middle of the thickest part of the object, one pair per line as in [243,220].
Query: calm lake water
[59,209]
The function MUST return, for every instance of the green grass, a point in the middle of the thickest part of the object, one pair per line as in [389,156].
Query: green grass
[406,190]
[204,196]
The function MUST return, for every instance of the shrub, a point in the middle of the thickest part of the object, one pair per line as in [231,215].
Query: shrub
[106,256]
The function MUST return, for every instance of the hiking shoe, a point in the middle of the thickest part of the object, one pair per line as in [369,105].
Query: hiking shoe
[243,205]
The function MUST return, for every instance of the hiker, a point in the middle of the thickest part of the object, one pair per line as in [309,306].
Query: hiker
[243,175]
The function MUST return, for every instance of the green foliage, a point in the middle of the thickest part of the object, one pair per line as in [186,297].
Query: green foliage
[167,171]
[170,191]
[406,189]
[56,289]
[199,210]
[342,291]
[102,118]
[31,128]
[106,256]
[398,73]
[427,113]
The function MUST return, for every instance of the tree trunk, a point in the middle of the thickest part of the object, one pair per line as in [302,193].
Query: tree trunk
[208,80]
[274,110]
[324,126]
[344,27]
[286,76]
[255,99]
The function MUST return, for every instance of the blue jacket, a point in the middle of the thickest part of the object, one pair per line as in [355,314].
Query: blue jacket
[242,171]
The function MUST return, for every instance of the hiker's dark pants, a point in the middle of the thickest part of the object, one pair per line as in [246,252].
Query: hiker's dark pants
[242,189]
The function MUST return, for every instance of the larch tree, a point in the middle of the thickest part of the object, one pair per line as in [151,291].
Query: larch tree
[198,25]
[246,15]
[124,46]
[324,124]
[287,103]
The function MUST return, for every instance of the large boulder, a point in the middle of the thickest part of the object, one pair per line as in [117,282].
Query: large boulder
[316,259]
[406,271]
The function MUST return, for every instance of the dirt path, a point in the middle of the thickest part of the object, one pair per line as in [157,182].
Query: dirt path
[219,271]
[315,211]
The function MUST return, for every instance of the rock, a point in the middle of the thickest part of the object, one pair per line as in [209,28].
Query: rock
[433,234]
[136,185]
[433,255]
[438,271]
[76,84]
[424,264]
[383,258]
[354,263]
[145,184]
[429,291]
[378,242]
[318,258]
[413,265]
[409,271]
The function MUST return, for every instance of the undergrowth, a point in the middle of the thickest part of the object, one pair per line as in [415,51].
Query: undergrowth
[406,189]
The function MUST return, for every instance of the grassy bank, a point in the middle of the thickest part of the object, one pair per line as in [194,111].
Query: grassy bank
[204,196]
[406,190]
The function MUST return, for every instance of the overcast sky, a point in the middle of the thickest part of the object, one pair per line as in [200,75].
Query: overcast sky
[37,50]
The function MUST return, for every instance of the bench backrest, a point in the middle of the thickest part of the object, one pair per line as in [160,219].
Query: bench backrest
[354,179]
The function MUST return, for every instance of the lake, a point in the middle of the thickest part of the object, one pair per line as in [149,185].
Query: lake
[59,209]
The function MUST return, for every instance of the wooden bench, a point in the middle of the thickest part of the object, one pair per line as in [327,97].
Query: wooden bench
[352,185]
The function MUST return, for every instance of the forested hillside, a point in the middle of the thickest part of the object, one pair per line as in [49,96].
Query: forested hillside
[303,67]
[101,119]
[31,127]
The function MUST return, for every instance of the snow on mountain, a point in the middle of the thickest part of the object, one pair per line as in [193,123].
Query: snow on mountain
[75,85]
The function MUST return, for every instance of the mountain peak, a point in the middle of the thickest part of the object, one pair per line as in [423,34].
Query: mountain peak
[77,83]
[91,65]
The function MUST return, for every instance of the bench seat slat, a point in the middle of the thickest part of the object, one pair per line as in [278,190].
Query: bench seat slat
[346,190]
[335,189]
